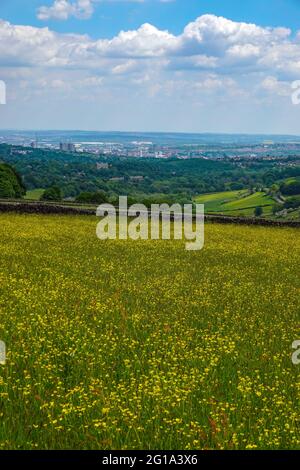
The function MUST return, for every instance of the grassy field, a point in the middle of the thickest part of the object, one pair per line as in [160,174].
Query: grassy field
[236,202]
[34,194]
[214,201]
[127,345]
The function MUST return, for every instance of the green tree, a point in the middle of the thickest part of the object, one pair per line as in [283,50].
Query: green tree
[98,197]
[11,184]
[6,188]
[52,194]
[291,188]
[258,211]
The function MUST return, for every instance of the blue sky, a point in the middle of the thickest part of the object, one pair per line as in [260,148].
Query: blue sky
[110,17]
[182,65]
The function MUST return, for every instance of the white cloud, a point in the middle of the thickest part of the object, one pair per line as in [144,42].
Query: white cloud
[63,9]
[209,42]
[81,9]
[274,86]
[212,59]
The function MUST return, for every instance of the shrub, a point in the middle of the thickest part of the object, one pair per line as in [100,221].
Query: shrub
[52,194]
[258,211]
[92,198]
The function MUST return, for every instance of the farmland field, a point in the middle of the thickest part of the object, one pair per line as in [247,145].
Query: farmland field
[34,194]
[214,201]
[236,202]
[143,345]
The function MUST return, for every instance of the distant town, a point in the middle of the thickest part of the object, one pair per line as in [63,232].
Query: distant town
[161,146]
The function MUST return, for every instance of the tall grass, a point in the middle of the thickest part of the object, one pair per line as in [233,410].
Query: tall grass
[129,345]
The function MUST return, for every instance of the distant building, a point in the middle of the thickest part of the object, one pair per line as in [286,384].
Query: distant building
[136,178]
[117,178]
[102,166]
[160,155]
[67,147]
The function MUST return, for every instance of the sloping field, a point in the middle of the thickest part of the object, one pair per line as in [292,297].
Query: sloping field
[214,201]
[236,202]
[115,344]
[251,201]
[34,194]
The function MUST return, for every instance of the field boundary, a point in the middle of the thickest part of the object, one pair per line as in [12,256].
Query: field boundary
[63,209]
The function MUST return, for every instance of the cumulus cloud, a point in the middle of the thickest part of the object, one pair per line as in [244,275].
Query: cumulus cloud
[208,42]
[63,9]
[211,55]
[81,9]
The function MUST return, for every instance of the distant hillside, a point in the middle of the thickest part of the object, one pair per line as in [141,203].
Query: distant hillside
[11,185]
[236,202]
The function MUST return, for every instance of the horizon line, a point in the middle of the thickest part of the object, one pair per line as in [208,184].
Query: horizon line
[151,132]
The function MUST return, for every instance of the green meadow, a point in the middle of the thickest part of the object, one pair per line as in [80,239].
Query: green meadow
[236,202]
[144,345]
